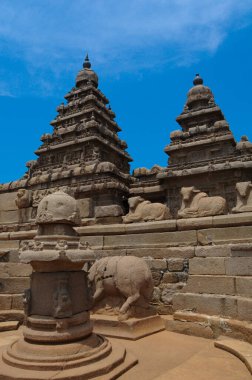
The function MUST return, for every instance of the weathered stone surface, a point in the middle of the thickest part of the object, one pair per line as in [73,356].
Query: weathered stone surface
[7,201]
[244,286]
[14,270]
[241,250]
[175,265]
[96,242]
[244,309]
[232,220]
[156,294]
[17,301]
[195,223]
[206,303]
[100,230]
[5,301]
[9,244]
[13,256]
[9,325]
[156,226]
[208,265]
[189,328]
[157,264]
[210,284]
[105,211]
[85,206]
[4,236]
[155,239]
[227,235]
[159,253]
[213,251]
[8,216]
[23,235]
[133,329]
[238,266]
[11,315]
[14,285]
[168,291]
[156,276]
[170,277]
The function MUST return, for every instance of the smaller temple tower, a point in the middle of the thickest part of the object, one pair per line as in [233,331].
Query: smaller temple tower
[205,136]
[203,153]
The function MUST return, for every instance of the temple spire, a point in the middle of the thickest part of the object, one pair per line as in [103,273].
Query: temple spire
[86,63]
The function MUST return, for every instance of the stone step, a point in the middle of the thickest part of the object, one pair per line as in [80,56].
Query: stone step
[230,266]
[11,315]
[230,285]
[9,325]
[214,304]
[241,350]
[195,324]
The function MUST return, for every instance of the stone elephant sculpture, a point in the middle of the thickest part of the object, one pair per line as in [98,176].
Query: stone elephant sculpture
[195,203]
[141,210]
[126,276]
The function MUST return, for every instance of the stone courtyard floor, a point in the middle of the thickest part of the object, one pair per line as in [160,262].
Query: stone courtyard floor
[171,356]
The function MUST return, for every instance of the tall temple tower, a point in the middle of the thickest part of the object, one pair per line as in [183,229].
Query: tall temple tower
[84,152]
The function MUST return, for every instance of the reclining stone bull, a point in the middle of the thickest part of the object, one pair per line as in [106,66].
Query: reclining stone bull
[244,197]
[141,210]
[196,203]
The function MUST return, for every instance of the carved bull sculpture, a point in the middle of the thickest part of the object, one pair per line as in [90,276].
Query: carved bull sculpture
[124,276]
[141,210]
[244,197]
[196,203]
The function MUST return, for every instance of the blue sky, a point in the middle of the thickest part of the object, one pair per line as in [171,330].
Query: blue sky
[146,53]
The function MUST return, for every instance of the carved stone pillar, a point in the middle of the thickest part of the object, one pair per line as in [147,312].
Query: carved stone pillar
[58,341]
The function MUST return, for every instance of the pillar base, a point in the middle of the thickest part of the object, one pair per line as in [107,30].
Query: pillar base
[92,357]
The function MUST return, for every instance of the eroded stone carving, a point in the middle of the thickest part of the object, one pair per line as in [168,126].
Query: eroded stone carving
[126,277]
[244,197]
[58,207]
[196,203]
[23,199]
[62,299]
[141,210]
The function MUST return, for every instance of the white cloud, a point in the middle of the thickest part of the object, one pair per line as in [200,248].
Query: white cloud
[53,35]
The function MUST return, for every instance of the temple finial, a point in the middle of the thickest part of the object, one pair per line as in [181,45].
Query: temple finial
[197,80]
[86,64]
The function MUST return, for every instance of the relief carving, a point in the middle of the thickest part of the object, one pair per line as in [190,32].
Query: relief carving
[62,299]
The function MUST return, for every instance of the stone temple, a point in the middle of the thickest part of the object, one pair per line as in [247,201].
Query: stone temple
[191,221]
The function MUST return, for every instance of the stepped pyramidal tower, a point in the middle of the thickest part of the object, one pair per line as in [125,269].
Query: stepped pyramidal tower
[203,153]
[205,136]
[83,155]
